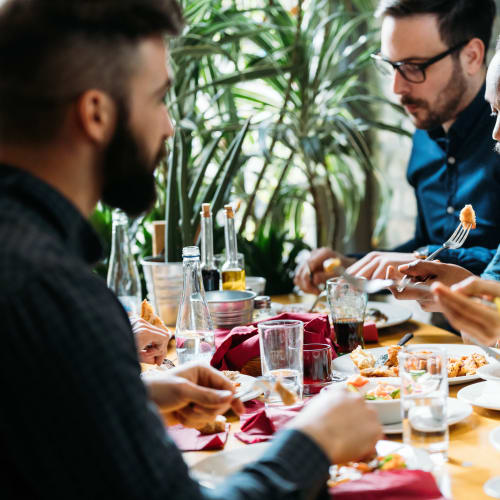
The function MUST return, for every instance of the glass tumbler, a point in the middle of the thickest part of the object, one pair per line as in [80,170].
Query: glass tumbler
[317,367]
[281,354]
[424,394]
[347,308]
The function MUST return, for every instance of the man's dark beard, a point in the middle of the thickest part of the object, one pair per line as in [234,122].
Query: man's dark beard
[129,183]
[447,103]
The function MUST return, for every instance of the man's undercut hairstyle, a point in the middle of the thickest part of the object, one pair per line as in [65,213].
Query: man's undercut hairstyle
[458,20]
[52,51]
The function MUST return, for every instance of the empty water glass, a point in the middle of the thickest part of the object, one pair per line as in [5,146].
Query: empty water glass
[281,353]
[424,392]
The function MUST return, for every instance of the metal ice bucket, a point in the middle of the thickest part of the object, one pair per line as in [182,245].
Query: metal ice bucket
[230,308]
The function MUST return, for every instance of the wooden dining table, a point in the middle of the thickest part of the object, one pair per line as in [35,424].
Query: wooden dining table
[472,460]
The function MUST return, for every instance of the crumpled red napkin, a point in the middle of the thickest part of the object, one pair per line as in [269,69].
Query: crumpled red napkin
[236,347]
[370,332]
[188,439]
[390,485]
[260,423]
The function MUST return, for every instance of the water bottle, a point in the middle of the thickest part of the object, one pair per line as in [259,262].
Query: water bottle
[194,332]
[123,276]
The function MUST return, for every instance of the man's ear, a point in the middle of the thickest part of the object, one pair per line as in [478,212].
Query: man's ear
[97,115]
[472,56]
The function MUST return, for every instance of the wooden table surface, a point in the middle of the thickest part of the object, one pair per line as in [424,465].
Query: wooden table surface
[472,459]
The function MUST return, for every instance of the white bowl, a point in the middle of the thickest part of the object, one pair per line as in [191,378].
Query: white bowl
[256,283]
[490,372]
[388,411]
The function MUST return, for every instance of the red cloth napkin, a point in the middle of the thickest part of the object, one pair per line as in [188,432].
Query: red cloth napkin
[260,423]
[390,485]
[188,439]
[233,349]
[370,332]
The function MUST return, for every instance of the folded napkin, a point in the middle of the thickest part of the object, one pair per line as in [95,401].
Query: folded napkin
[390,485]
[234,348]
[260,423]
[188,439]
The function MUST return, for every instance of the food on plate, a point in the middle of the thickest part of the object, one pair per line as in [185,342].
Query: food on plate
[380,392]
[362,359]
[218,425]
[468,217]
[151,369]
[329,265]
[232,376]
[376,316]
[357,381]
[288,397]
[355,470]
[457,367]
[148,314]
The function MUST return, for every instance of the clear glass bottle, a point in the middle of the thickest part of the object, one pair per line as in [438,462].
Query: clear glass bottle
[233,276]
[209,273]
[123,276]
[194,331]
[262,308]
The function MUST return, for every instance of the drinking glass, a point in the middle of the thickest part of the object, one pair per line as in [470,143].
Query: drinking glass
[281,343]
[317,367]
[347,308]
[424,392]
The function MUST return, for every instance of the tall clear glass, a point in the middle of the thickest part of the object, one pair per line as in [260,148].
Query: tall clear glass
[123,276]
[194,332]
[424,394]
[347,308]
[281,354]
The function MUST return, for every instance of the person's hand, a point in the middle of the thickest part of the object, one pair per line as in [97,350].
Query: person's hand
[468,315]
[341,424]
[151,342]
[426,272]
[374,265]
[193,394]
[311,273]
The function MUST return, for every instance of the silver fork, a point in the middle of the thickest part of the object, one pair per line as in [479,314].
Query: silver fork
[456,240]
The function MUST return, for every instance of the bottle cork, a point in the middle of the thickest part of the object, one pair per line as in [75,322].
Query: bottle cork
[229,211]
[205,210]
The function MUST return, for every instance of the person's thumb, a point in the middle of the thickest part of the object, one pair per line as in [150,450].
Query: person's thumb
[204,396]
[415,268]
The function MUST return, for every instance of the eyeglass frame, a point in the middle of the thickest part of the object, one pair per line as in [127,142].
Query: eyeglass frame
[396,66]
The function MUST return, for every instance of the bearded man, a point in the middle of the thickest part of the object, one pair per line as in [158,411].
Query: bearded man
[435,53]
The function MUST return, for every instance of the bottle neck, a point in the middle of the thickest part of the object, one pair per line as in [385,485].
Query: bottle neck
[207,244]
[231,245]
[120,245]
[192,275]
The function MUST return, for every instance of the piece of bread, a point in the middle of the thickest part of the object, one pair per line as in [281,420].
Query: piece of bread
[362,359]
[218,425]
[287,397]
[148,314]
[468,217]
[329,265]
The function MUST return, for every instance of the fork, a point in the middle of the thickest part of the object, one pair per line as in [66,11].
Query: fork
[456,240]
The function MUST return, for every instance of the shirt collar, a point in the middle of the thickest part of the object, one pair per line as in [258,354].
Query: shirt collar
[76,232]
[466,119]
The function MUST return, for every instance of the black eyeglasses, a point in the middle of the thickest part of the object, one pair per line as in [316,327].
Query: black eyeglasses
[412,71]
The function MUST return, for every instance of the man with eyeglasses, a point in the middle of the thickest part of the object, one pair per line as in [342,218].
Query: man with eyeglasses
[434,51]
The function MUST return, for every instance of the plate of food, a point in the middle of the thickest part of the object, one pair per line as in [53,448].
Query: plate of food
[463,362]
[214,469]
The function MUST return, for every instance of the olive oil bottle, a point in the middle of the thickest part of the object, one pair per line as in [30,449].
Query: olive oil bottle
[233,277]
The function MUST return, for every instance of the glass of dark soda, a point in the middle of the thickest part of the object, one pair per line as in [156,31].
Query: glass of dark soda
[317,367]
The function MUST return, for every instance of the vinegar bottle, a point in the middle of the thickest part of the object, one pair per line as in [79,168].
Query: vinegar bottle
[233,277]
[209,273]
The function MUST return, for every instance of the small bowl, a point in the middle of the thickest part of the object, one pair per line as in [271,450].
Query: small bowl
[388,411]
[230,308]
[256,284]
[490,372]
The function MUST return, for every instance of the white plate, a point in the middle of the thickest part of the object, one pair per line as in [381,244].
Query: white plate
[484,395]
[345,365]
[212,470]
[456,412]
[395,313]
[246,382]
[495,438]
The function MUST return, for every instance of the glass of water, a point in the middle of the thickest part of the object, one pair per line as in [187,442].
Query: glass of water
[281,354]
[424,391]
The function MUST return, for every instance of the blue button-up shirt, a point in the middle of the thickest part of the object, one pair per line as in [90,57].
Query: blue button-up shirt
[449,171]
[492,272]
